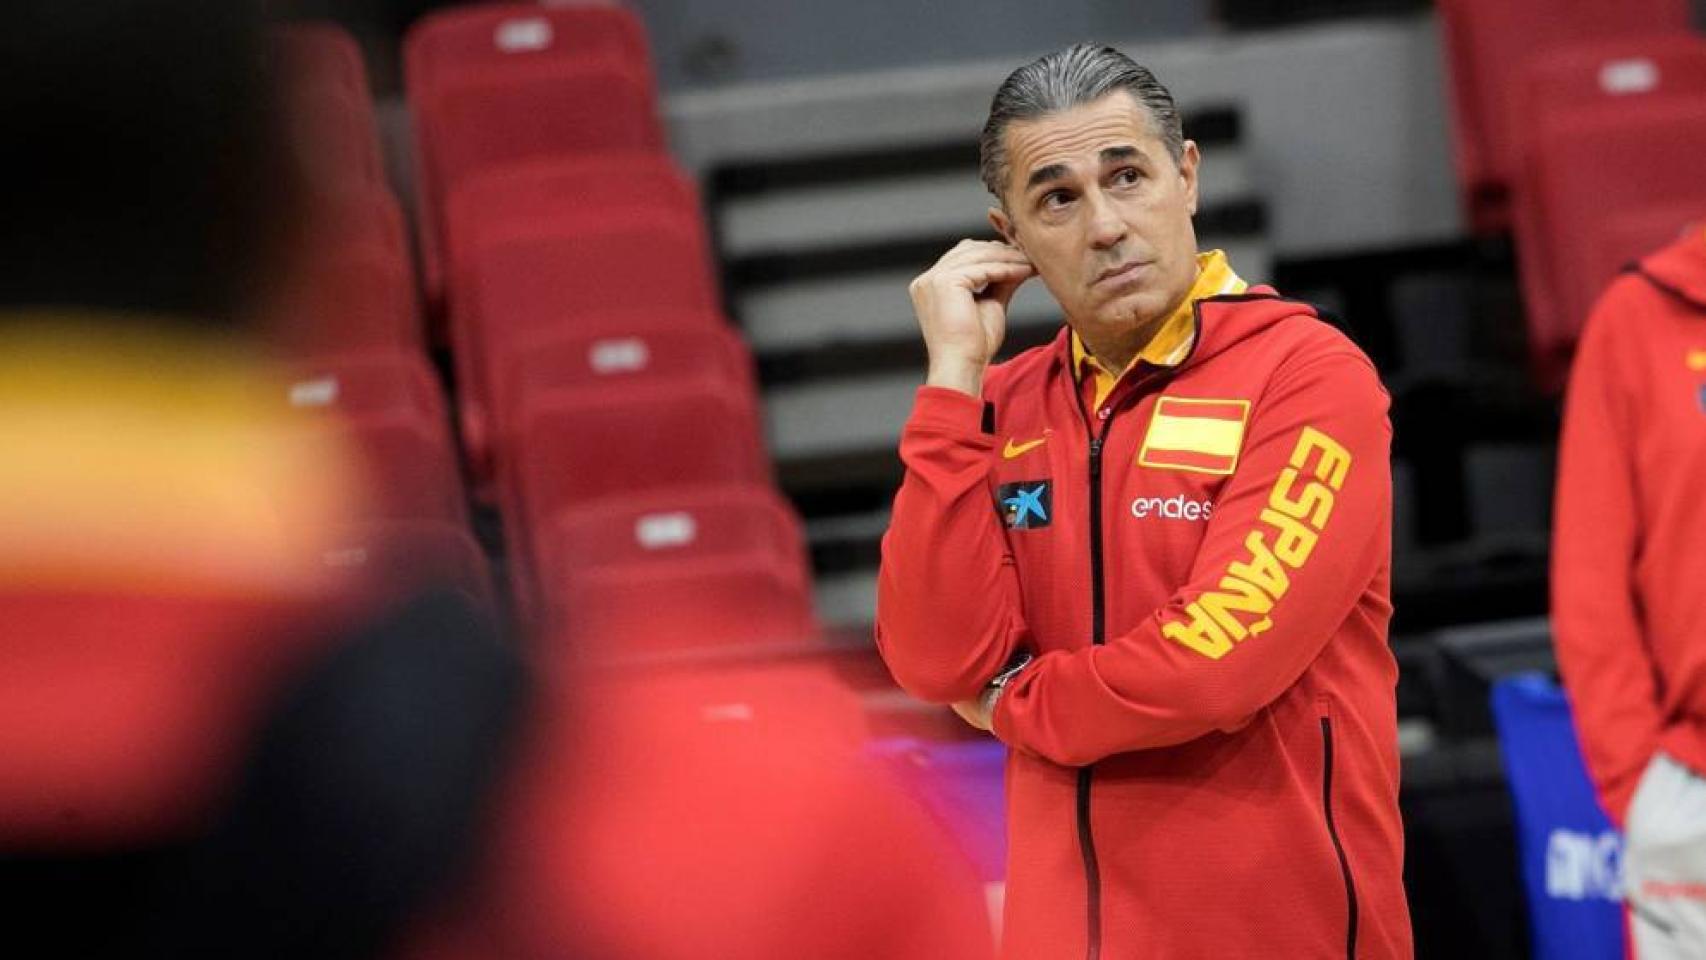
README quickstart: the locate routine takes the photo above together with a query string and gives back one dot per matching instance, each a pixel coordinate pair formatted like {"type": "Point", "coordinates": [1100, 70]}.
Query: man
{"type": "Point", "coordinates": [1156, 554]}
{"type": "Point", "coordinates": [1627, 603]}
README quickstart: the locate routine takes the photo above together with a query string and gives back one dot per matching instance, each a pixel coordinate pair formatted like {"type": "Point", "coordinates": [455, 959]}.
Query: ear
{"type": "Point", "coordinates": [1189, 159]}
{"type": "Point", "coordinates": [1003, 225]}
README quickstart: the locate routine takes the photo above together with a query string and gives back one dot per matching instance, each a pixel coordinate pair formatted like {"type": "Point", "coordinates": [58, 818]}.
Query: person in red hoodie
{"type": "Point", "coordinates": [1152, 557]}
{"type": "Point", "coordinates": [1628, 611]}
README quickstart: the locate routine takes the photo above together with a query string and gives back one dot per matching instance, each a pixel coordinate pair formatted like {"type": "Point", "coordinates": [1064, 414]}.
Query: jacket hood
{"type": "Point", "coordinates": [1680, 269]}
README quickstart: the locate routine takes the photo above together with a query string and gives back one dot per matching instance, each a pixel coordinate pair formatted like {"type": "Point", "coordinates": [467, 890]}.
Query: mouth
{"type": "Point", "coordinates": [1121, 274]}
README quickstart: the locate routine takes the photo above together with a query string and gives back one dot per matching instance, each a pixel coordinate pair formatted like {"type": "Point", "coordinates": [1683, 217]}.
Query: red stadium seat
{"type": "Point", "coordinates": [357, 384]}
{"type": "Point", "coordinates": [540, 275]}
{"type": "Point", "coordinates": [471, 38]}
{"type": "Point", "coordinates": [312, 53]}
{"type": "Point", "coordinates": [1618, 71]}
{"type": "Point", "coordinates": [1487, 47]}
{"type": "Point", "coordinates": [710, 567]}
{"type": "Point", "coordinates": [575, 446]}
{"type": "Point", "coordinates": [481, 121]}
{"type": "Point", "coordinates": [611, 350]}
{"type": "Point", "coordinates": [1612, 76]}
{"type": "Point", "coordinates": [355, 217]}
{"type": "Point", "coordinates": [333, 134]}
{"type": "Point", "coordinates": [393, 413]}
{"type": "Point", "coordinates": [1600, 175]}
{"type": "Point", "coordinates": [527, 281]}
{"type": "Point", "coordinates": [559, 190]}
{"type": "Point", "coordinates": [392, 558]}
{"type": "Point", "coordinates": [347, 300]}
{"type": "Point", "coordinates": [411, 468]}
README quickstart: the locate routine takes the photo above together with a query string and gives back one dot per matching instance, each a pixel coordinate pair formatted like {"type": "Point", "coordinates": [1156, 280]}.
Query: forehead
{"type": "Point", "coordinates": [1079, 135]}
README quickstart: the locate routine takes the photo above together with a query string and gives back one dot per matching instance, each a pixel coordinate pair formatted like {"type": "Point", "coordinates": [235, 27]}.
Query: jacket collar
{"type": "Point", "coordinates": [1176, 337]}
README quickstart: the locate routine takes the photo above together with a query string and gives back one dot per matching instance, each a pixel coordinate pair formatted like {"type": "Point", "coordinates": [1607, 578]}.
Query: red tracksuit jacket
{"type": "Point", "coordinates": [1205, 757]}
{"type": "Point", "coordinates": [1628, 571]}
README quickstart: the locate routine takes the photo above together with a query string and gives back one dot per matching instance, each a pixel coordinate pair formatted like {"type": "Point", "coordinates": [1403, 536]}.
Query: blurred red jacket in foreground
{"type": "Point", "coordinates": [719, 812]}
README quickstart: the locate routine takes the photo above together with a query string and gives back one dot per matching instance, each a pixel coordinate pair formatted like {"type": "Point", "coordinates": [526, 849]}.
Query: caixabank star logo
{"type": "Point", "coordinates": [1026, 505]}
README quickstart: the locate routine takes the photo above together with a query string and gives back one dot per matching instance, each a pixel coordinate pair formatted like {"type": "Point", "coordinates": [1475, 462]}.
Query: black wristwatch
{"type": "Point", "coordinates": [1019, 662]}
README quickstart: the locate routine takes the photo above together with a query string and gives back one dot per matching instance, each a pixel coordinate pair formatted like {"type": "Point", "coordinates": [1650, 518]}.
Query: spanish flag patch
{"type": "Point", "coordinates": [1194, 434]}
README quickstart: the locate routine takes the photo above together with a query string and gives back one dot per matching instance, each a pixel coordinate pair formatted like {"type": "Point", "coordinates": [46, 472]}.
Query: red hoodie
{"type": "Point", "coordinates": [1628, 606]}
{"type": "Point", "coordinates": [1205, 756]}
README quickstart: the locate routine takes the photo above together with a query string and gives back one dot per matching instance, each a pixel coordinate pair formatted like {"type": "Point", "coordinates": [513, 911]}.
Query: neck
{"type": "Point", "coordinates": [1114, 345]}
{"type": "Point", "coordinates": [1114, 348]}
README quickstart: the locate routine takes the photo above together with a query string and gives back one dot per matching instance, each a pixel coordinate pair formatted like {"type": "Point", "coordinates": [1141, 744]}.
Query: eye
{"type": "Point", "coordinates": [1127, 176]}
{"type": "Point", "coordinates": [1056, 199]}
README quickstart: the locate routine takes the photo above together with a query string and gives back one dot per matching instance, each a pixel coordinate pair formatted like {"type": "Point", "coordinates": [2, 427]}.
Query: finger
{"type": "Point", "coordinates": [978, 278]}
{"type": "Point", "coordinates": [1003, 292]}
{"type": "Point", "coordinates": [977, 251]}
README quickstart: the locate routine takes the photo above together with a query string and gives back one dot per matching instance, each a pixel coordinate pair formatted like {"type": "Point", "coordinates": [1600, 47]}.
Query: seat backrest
{"type": "Point", "coordinates": [320, 52]}
{"type": "Point", "coordinates": [1487, 46]}
{"type": "Point", "coordinates": [538, 280]}
{"type": "Point", "coordinates": [579, 445]}
{"type": "Point", "coordinates": [706, 567]}
{"type": "Point", "coordinates": [485, 120]}
{"type": "Point", "coordinates": [477, 37]}
{"type": "Point", "coordinates": [542, 276]}
{"type": "Point", "coordinates": [358, 384]}
{"type": "Point", "coordinates": [1610, 75]}
{"type": "Point", "coordinates": [346, 300]}
{"type": "Point", "coordinates": [1592, 165]}
{"type": "Point", "coordinates": [353, 216]}
{"type": "Point", "coordinates": [1571, 855]}
{"type": "Point", "coordinates": [334, 136]}
{"type": "Point", "coordinates": [669, 525]}
{"type": "Point", "coordinates": [558, 198]}
{"type": "Point", "coordinates": [615, 350]}
{"type": "Point", "coordinates": [559, 189]}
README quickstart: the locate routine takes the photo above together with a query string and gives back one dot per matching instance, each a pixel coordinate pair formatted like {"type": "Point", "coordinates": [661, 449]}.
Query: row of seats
{"type": "Point", "coordinates": [1575, 126]}
{"type": "Point", "coordinates": [607, 406]}
{"type": "Point", "coordinates": [349, 326]}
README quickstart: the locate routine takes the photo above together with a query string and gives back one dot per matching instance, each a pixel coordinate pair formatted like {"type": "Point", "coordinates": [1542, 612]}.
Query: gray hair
{"type": "Point", "coordinates": [1065, 79]}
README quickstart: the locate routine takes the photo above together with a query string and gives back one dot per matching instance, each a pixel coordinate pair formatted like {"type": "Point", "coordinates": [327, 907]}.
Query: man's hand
{"type": "Point", "coordinates": [979, 712]}
{"type": "Point", "coordinates": [961, 304]}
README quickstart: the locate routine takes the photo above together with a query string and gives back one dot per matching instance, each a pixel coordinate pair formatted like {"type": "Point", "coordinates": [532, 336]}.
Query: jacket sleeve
{"type": "Point", "coordinates": [1595, 620]}
{"type": "Point", "coordinates": [947, 620]}
{"type": "Point", "coordinates": [1299, 532]}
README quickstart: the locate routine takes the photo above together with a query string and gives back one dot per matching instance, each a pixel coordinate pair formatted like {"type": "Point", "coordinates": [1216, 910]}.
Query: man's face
{"type": "Point", "coordinates": [1099, 206]}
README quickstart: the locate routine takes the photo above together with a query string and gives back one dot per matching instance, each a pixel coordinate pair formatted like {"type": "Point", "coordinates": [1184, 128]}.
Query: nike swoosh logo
{"type": "Point", "coordinates": [1020, 449]}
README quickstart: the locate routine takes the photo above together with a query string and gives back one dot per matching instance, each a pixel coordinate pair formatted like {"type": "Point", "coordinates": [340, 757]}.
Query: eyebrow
{"type": "Point", "coordinates": [1056, 171]}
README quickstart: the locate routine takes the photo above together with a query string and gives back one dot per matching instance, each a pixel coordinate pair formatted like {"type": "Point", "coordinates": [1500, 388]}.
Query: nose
{"type": "Point", "coordinates": [1107, 227]}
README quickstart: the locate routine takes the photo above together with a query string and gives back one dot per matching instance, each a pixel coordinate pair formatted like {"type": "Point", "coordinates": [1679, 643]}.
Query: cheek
{"type": "Point", "coordinates": [1056, 267]}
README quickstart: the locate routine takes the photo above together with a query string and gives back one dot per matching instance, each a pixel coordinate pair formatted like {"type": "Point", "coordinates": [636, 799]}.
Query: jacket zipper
{"type": "Point", "coordinates": [1086, 842]}
{"type": "Point", "coordinates": [1333, 832]}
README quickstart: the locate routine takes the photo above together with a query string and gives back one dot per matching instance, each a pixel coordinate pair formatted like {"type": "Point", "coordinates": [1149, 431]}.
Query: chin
{"type": "Point", "coordinates": [1133, 309]}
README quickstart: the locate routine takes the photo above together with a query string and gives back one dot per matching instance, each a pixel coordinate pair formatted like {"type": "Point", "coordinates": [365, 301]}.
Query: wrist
{"type": "Point", "coordinates": [992, 692]}
{"type": "Point", "coordinates": [957, 373]}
